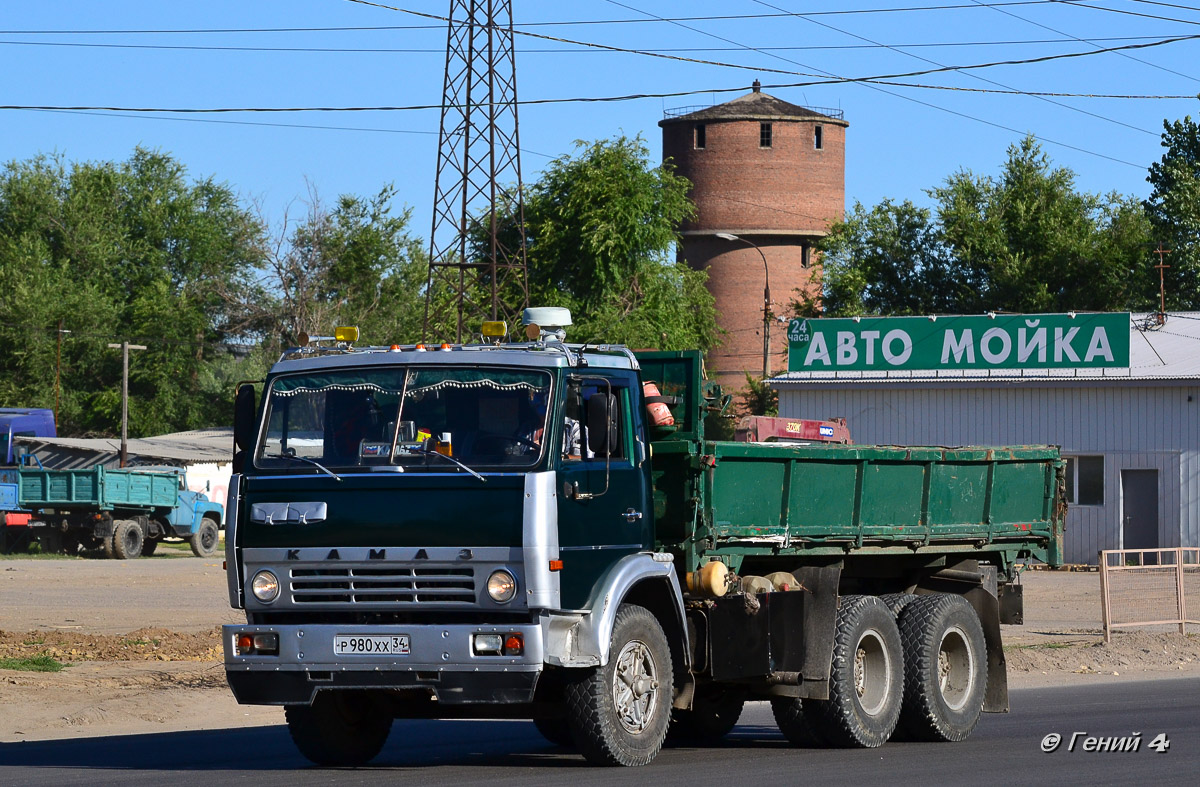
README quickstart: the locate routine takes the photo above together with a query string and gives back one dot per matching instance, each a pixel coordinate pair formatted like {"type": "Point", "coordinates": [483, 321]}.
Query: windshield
{"type": "Point", "coordinates": [365, 418]}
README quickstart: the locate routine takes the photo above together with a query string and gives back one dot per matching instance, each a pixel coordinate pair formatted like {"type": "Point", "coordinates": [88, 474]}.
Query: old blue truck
{"type": "Point", "coordinates": [127, 513]}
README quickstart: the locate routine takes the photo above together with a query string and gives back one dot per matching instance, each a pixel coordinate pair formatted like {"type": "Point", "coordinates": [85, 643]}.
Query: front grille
{"type": "Point", "coordinates": [390, 585]}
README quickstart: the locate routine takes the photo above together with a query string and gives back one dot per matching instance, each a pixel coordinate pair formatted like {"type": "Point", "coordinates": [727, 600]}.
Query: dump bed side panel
{"type": "Point", "coordinates": [96, 487]}
{"type": "Point", "coordinates": [793, 497]}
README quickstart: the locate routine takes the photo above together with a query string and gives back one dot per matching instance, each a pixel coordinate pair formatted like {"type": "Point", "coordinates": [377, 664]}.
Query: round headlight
{"type": "Point", "coordinates": [265, 586]}
{"type": "Point", "coordinates": [502, 586]}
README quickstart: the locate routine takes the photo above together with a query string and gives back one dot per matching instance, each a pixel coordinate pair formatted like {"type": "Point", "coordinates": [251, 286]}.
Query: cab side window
{"type": "Point", "coordinates": [583, 404]}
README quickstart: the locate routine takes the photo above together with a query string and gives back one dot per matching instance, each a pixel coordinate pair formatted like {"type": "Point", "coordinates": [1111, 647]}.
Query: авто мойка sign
{"type": "Point", "coordinates": [1008, 341]}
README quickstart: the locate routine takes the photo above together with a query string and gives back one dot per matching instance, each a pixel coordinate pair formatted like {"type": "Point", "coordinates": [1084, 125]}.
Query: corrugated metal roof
{"type": "Point", "coordinates": [201, 445]}
{"type": "Point", "coordinates": [1170, 351]}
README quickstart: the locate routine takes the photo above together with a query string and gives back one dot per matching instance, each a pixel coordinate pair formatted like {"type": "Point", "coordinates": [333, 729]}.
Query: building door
{"type": "Point", "coordinates": [1139, 509]}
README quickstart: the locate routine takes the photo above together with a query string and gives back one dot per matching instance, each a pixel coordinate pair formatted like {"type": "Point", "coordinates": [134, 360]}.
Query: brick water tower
{"type": "Point", "coordinates": [768, 178]}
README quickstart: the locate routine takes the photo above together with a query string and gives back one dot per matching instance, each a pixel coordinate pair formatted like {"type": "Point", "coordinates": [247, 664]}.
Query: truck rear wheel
{"type": "Point", "coordinates": [715, 712]}
{"type": "Point", "coordinates": [945, 667]}
{"type": "Point", "coordinates": [619, 713]}
{"type": "Point", "coordinates": [127, 539]}
{"type": "Point", "coordinates": [866, 680]}
{"type": "Point", "coordinates": [340, 728]}
{"type": "Point", "coordinates": [149, 545]}
{"type": "Point", "coordinates": [204, 540]}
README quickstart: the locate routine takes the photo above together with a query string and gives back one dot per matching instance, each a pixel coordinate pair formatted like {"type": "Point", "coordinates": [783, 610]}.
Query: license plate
{"type": "Point", "coordinates": [354, 645]}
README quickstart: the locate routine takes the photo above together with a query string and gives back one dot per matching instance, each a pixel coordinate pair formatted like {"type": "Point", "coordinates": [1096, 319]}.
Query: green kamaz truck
{"type": "Point", "coordinates": [542, 530]}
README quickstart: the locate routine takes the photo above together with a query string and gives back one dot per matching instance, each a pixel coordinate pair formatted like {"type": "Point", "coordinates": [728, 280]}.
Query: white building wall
{"type": "Point", "coordinates": [1133, 426]}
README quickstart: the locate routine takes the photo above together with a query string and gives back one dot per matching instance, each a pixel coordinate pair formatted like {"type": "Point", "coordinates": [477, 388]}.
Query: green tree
{"type": "Point", "coordinates": [354, 264]}
{"type": "Point", "coordinates": [1174, 210]}
{"type": "Point", "coordinates": [758, 398]}
{"type": "Point", "coordinates": [602, 226]}
{"type": "Point", "coordinates": [1024, 241]}
{"type": "Point", "coordinates": [119, 251]}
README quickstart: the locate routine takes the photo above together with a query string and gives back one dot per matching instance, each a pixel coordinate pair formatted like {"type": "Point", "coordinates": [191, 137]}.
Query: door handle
{"type": "Point", "coordinates": [631, 516]}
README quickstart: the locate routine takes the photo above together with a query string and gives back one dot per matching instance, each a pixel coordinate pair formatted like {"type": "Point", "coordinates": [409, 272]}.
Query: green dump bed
{"type": "Point", "coordinates": [824, 499]}
{"type": "Point", "coordinates": [97, 488]}
{"type": "Point", "coordinates": [850, 497]}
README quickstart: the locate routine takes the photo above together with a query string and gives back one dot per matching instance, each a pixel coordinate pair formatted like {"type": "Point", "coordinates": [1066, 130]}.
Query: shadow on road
{"type": "Point", "coordinates": [412, 744]}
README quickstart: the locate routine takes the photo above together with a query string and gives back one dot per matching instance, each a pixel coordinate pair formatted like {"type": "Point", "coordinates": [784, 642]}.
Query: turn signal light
{"type": "Point", "coordinates": [556, 565]}
{"type": "Point", "coordinates": [258, 644]}
{"type": "Point", "coordinates": [514, 645]}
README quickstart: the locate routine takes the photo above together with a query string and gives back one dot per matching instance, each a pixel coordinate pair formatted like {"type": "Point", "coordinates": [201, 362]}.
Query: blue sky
{"type": "Point", "coordinates": [901, 140]}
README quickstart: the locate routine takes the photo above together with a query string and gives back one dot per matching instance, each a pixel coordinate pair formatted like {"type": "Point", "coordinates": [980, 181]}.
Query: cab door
{"type": "Point", "coordinates": [603, 497]}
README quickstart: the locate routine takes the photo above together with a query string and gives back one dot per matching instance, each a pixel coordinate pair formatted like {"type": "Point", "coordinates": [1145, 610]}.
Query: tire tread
{"type": "Point", "coordinates": [919, 716]}
{"type": "Point", "coordinates": [587, 697]}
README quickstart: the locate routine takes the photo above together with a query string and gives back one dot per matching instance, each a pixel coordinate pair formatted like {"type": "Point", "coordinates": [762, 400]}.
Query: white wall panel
{"type": "Point", "coordinates": [1150, 427]}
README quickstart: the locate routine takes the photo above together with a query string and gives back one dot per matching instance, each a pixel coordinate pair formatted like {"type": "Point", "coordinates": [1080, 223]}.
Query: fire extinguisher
{"type": "Point", "coordinates": [660, 414]}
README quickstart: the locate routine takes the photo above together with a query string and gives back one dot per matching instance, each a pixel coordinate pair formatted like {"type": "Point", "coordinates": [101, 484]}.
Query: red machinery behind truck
{"type": "Point", "coordinates": [768, 429]}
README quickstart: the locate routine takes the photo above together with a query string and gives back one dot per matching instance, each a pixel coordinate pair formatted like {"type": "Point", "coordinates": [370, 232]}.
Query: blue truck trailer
{"type": "Point", "coordinates": [127, 513]}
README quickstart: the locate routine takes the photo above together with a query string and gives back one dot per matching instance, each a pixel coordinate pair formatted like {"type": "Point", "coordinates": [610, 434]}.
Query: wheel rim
{"type": "Point", "coordinates": [131, 541]}
{"type": "Point", "coordinates": [956, 668]}
{"type": "Point", "coordinates": [209, 538]}
{"type": "Point", "coordinates": [635, 687]}
{"type": "Point", "coordinates": [872, 672]}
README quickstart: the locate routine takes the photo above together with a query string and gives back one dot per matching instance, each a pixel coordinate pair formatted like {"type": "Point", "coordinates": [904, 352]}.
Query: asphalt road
{"type": "Point", "coordinates": [1005, 749]}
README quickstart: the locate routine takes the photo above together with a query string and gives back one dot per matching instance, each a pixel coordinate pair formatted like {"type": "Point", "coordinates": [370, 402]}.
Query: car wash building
{"type": "Point", "coordinates": [1119, 393]}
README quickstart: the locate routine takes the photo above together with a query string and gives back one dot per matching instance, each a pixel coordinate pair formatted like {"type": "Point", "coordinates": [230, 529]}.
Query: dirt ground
{"type": "Point", "coordinates": [141, 639]}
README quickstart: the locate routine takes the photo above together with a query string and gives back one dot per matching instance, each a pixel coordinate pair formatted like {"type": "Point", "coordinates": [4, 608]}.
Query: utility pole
{"type": "Point", "coordinates": [1162, 283]}
{"type": "Point", "coordinates": [58, 373]}
{"type": "Point", "coordinates": [125, 347]}
{"type": "Point", "coordinates": [766, 367]}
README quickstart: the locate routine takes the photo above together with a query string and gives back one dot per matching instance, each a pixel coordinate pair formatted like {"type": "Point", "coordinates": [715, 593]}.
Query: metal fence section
{"type": "Point", "coordinates": [1148, 587]}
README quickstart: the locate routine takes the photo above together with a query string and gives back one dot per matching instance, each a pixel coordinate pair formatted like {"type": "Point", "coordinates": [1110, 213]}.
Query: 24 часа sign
{"type": "Point", "coordinates": [1010, 342]}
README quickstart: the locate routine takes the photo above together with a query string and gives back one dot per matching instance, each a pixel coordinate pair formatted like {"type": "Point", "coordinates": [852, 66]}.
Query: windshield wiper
{"type": "Point", "coordinates": [431, 452]}
{"type": "Point", "coordinates": [312, 462]}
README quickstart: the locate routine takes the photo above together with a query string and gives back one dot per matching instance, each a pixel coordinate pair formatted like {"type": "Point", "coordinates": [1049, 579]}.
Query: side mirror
{"type": "Point", "coordinates": [602, 423]}
{"type": "Point", "coordinates": [243, 417]}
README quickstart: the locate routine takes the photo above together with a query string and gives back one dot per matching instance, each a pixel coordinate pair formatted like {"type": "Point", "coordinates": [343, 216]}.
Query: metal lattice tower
{"type": "Point", "coordinates": [474, 273]}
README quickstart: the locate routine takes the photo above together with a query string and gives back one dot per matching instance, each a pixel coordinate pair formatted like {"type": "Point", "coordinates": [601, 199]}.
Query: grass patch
{"type": "Point", "coordinates": [30, 643]}
{"type": "Point", "coordinates": [153, 642]}
{"type": "Point", "coordinates": [35, 554]}
{"type": "Point", "coordinates": [40, 663]}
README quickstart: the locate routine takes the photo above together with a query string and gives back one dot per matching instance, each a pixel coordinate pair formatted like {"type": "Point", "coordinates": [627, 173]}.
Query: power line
{"type": "Point", "coordinates": [561, 50]}
{"type": "Point", "coordinates": [1083, 40]}
{"type": "Point", "coordinates": [923, 59]}
{"type": "Point", "coordinates": [947, 110]}
{"type": "Point", "coordinates": [869, 81]}
{"type": "Point", "coordinates": [1129, 13]}
{"type": "Point", "coordinates": [543, 37]}
{"type": "Point", "coordinates": [264, 125]}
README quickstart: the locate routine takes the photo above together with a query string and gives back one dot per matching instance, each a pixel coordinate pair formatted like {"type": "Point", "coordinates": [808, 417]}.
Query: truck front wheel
{"type": "Point", "coordinates": [866, 680]}
{"type": "Point", "coordinates": [127, 539]}
{"type": "Point", "coordinates": [340, 728]}
{"type": "Point", "coordinates": [204, 540]}
{"type": "Point", "coordinates": [945, 666]}
{"type": "Point", "coordinates": [619, 713]}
